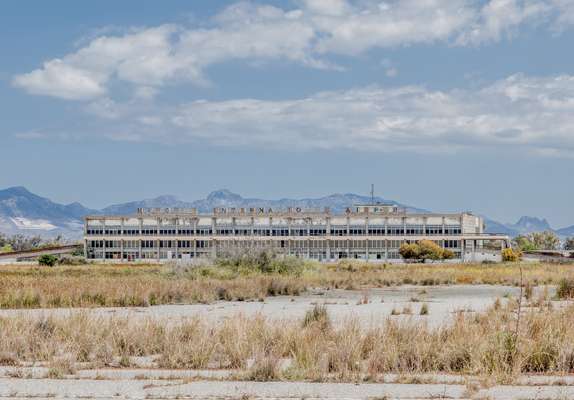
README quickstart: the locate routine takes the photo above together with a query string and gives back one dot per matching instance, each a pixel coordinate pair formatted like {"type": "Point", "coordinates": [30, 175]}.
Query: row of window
{"type": "Point", "coordinates": [295, 244]}
{"type": "Point", "coordinates": [354, 231]}
{"type": "Point", "coordinates": [313, 254]}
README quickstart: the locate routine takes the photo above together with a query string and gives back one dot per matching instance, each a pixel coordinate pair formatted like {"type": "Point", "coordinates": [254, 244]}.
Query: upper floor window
{"type": "Point", "coordinates": [376, 230]}
{"type": "Point", "coordinates": [338, 231]}
{"type": "Point", "coordinates": [414, 230]}
{"type": "Point", "coordinates": [396, 230]}
{"type": "Point", "coordinates": [433, 229]}
{"type": "Point", "coordinates": [318, 232]}
{"type": "Point", "coordinates": [452, 230]}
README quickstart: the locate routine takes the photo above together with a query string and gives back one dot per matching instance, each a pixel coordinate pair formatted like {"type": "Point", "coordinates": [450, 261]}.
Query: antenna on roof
{"type": "Point", "coordinates": [372, 193]}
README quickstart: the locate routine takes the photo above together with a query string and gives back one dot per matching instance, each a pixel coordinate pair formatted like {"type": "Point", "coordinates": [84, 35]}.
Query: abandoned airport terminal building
{"type": "Point", "coordinates": [372, 232]}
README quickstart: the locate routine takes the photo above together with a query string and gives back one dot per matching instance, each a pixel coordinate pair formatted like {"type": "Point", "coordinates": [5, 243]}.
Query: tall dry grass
{"type": "Point", "coordinates": [483, 344]}
{"type": "Point", "coordinates": [143, 285]}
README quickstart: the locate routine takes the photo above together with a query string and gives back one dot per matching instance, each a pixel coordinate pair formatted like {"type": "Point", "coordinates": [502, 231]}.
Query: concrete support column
{"type": "Point", "coordinates": [289, 221]}
{"type": "Point", "coordinates": [347, 241]}
{"type": "Point", "coordinates": [348, 247]}
{"type": "Point", "coordinates": [386, 249]}
{"type": "Point", "coordinates": [104, 241]}
{"type": "Point", "coordinates": [157, 249]}
{"type": "Point", "coordinates": [121, 241]}
{"type": "Point", "coordinates": [404, 226]}
{"type": "Point", "coordinates": [367, 239]}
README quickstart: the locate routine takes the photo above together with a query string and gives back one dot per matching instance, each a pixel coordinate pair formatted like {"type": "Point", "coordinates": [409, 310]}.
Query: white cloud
{"type": "Point", "coordinates": [59, 79]}
{"type": "Point", "coordinates": [565, 14]}
{"type": "Point", "coordinates": [30, 135]}
{"type": "Point", "coordinates": [104, 108]}
{"type": "Point", "coordinates": [307, 35]}
{"type": "Point", "coordinates": [327, 7]}
{"type": "Point", "coordinates": [393, 23]}
{"type": "Point", "coordinates": [500, 18]}
{"type": "Point", "coordinates": [519, 113]}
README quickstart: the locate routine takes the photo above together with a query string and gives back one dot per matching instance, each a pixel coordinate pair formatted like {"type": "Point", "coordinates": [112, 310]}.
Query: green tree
{"type": "Point", "coordinates": [429, 250]}
{"type": "Point", "coordinates": [48, 260]}
{"type": "Point", "coordinates": [409, 251]}
{"type": "Point", "coordinates": [6, 248]}
{"type": "Point", "coordinates": [447, 254]}
{"type": "Point", "coordinates": [546, 240]}
{"type": "Point", "coordinates": [569, 244]}
{"type": "Point", "coordinates": [524, 243]}
{"type": "Point", "coordinates": [424, 250]}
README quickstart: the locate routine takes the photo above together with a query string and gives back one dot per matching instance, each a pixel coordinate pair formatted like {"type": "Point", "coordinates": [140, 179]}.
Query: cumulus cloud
{"type": "Point", "coordinates": [565, 14]}
{"type": "Point", "coordinates": [499, 18]}
{"type": "Point", "coordinates": [60, 79]}
{"type": "Point", "coordinates": [520, 113]}
{"type": "Point", "coordinates": [308, 34]}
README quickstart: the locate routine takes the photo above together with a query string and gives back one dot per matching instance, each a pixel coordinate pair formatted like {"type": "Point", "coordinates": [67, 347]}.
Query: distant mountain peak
{"type": "Point", "coordinates": [527, 224]}
{"type": "Point", "coordinates": [23, 211]}
{"type": "Point", "coordinates": [166, 198]}
{"type": "Point", "coordinates": [16, 191]}
{"type": "Point", "coordinates": [223, 194]}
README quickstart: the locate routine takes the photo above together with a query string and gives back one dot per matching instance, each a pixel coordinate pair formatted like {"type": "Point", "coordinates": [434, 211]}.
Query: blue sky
{"type": "Point", "coordinates": [443, 104]}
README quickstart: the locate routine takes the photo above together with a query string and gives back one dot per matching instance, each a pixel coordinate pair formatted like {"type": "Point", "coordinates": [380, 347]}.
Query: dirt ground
{"type": "Point", "coordinates": [142, 387]}
{"type": "Point", "coordinates": [369, 307]}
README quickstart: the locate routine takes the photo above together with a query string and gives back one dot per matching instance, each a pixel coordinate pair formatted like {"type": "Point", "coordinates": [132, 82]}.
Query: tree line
{"type": "Point", "coordinates": [21, 242]}
{"type": "Point", "coordinates": [546, 240]}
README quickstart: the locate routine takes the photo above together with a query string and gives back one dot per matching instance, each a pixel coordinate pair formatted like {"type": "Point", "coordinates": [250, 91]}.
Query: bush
{"type": "Point", "coordinates": [565, 289]}
{"type": "Point", "coordinates": [319, 316]}
{"type": "Point", "coordinates": [72, 260]}
{"type": "Point", "coordinates": [410, 251]}
{"type": "Point", "coordinates": [424, 309]}
{"type": "Point", "coordinates": [47, 260]}
{"type": "Point", "coordinates": [424, 250]}
{"type": "Point", "coordinates": [264, 261]}
{"type": "Point", "coordinates": [511, 255]}
{"type": "Point", "coordinates": [7, 248]}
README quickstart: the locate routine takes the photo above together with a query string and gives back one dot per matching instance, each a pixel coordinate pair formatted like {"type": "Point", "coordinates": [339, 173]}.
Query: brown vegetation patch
{"type": "Point", "coordinates": [145, 285]}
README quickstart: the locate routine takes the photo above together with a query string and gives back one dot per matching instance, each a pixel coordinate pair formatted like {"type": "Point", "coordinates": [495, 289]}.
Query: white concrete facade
{"type": "Point", "coordinates": [365, 232]}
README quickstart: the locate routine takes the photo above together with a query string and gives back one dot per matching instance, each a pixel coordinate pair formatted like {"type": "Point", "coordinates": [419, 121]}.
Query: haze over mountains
{"type": "Point", "coordinates": [24, 212]}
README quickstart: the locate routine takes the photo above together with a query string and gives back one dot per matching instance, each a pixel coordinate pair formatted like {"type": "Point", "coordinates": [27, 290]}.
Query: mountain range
{"type": "Point", "coordinates": [24, 212]}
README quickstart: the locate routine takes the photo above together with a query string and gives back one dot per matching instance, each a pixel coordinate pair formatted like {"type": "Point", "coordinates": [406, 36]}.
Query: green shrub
{"type": "Point", "coordinates": [72, 260]}
{"type": "Point", "coordinates": [262, 261]}
{"type": "Point", "coordinates": [424, 250]}
{"type": "Point", "coordinates": [47, 260]}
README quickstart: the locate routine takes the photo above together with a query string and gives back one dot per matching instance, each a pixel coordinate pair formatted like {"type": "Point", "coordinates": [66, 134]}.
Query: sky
{"type": "Point", "coordinates": [447, 105]}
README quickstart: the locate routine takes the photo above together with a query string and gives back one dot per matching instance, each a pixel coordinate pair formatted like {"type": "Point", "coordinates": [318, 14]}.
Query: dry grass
{"type": "Point", "coordinates": [484, 345]}
{"type": "Point", "coordinates": [144, 285]}
{"type": "Point", "coordinates": [128, 286]}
